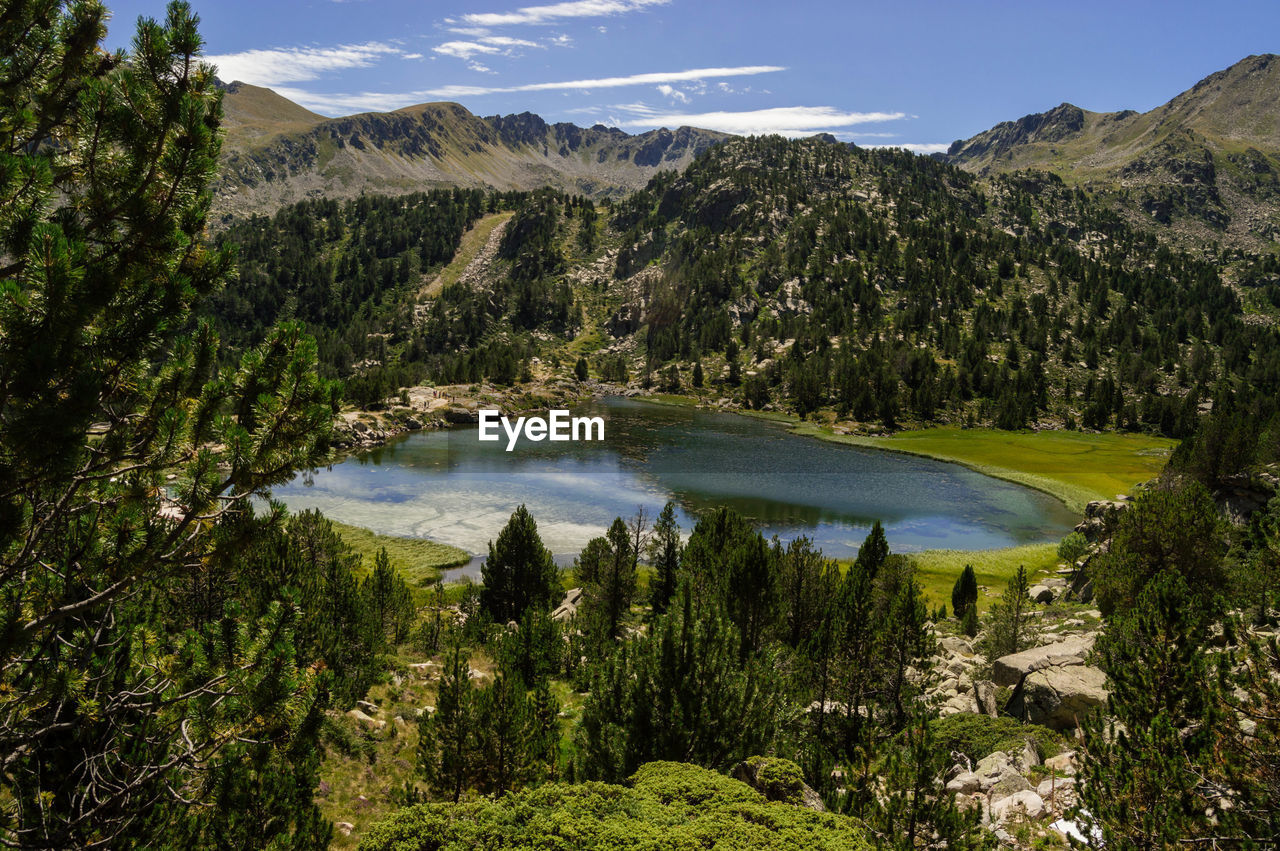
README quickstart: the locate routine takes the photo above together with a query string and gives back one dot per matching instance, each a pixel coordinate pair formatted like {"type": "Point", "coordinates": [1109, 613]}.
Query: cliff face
{"type": "Point", "coordinates": [1205, 165]}
{"type": "Point", "coordinates": [276, 153]}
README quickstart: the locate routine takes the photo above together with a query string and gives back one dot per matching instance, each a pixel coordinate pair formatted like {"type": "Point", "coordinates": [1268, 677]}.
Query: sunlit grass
{"type": "Point", "coordinates": [937, 570]}
{"type": "Point", "coordinates": [418, 560]}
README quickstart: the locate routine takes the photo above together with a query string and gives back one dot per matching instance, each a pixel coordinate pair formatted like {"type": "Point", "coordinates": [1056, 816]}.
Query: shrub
{"type": "Point", "coordinates": [976, 736]}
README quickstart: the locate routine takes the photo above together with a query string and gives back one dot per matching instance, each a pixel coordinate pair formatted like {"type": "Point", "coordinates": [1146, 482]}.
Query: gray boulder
{"type": "Point", "coordinates": [1058, 697]}
{"type": "Point", "coordinates": [1010, 670]}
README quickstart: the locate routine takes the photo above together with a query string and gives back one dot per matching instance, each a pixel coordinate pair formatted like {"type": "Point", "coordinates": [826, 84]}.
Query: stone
{"type": "Point", "coordinates": [1054, 787]}
{"type": "Point", "coordinates": [1007, 784]}
{"type": "Point", "coordinates": [365, 721]}
{"type": "Point", "coordinates": [1010, 670]}
{"type": "Point", "coordinates": [344, 827]}
{"type": "Point", "coordinates": [1064, 763]}
{"type": "Point", "coordinates": [1030, 756]}
{"type": "Point", "coordinates": [1057, 697]}
{"type": "Point", "coordinates": [369, 708]}
{"type": "Point", "coordinates": [778, 780]}
{"type": "Point", "coordinates": [984, 693]}
{"type": "Point", "coordinates": [965, 783]}
{"type": "Point", "coordinates": [1040, 593]}
{"type": "Point", "coordinates": [992, 765]}
{"type": "Point", "coordinates": [956, 646]}
{"type": "Point", "coordinates": [1025, 802]}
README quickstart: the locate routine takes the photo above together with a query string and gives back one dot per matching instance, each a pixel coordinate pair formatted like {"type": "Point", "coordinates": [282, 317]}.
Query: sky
{"type": "Point", "coordinates": [908, 74]}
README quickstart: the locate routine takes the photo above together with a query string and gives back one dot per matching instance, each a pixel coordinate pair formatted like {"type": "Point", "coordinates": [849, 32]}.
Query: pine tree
{"type": "Point", "coordinates": [964, 594]}
{"type": "Point", "coordinates": [665, 552]}
{"type": "Point", "coordinates": [389, 600]}
{"type": "Point", "coordinates": [1145, 780]}
{"type": "Point", "coordinates": [1007, 624]}
{"type": "Point", "coordinates": [125, 678]}
{"type": "Point", "coordinates": [505, 736]}
{"type": "Point", "coordinates": [606, 570]}
{"type": "Point", "coordinates": [447, 737]}
{"type": "Point", "coordinates": [519, 571]}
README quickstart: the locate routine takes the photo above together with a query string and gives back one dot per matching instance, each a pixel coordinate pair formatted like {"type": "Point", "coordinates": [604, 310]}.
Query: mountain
{"type": "Point", "coordinates": [1206, 164]}
{"type": "Point", "coordinates": [875, 287]}
{"type": "Point", "coordinates": [277, 152]}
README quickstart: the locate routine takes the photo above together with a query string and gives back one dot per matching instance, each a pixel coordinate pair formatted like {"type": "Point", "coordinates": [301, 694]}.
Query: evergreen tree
{"type": "Point", "coordinates": [665, 552]}
{"type": "Point", "coordinates": [447, 737]}
{"type": "Point", "coordinates": [131, 687]}
{"type": "Point", "coordinates": [964, 594]}
{"type": "Point", "coordinates": [505, 736]}
{"type": "Point", "coordinates": [1174, 529]}
{"type": "Point", "coordinates": [679, 693]}
{"type": "Point", "coordinates": [389, 600]}
{"type": "Point", "coordinates": [519, 572]}
{"type": "Point", "coordinates": [1145, 781]}
{"type": "Point", "coordinates": [606, 571]}
{"type": "Point", "coordinates": [1007, 625]}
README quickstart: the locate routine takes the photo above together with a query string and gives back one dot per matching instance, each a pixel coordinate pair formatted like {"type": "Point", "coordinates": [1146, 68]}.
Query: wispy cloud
{"type": "Point", "coordinates": [297, 64]}
{"type": "Point", "coordinates": [557, 12]}
{"type": "Point", "coordinates": [790, 121]}
{"type": "Point", "coordinates": [919, 147]}
{"type": "Point", "coordinates": [672, 92]}
{"type": "Point", "coordinates": [360, 101]}
{"type": "Point", "coordinates": [464, 49]}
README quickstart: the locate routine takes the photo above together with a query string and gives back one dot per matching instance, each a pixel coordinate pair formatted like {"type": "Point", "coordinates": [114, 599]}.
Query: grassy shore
{"type": "Point", "coordinates": [937, 570]}
{"type": "Point", "coordinates": [1073, 466]}
{"type": "Point", "coordinates": [418, 560]}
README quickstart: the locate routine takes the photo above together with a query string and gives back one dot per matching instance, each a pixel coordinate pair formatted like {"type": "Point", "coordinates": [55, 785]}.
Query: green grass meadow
{"type": "Point", "coordinates": [418, 560]}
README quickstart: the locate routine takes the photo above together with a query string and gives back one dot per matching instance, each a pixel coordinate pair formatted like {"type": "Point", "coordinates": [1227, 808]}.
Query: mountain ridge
{"type": "Point", "coordinates": [277, 152]}
{"type": "Point", "coordinates": [1206, 163]}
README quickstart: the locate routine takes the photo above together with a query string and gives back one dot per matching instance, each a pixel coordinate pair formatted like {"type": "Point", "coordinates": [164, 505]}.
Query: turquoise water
{"type": "Point", "coordinates": [450, 487]}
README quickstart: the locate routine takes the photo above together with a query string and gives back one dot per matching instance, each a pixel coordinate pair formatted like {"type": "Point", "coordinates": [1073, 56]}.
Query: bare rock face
{"type": "Point", "coordinates": [1025, 801]}
{"type": "Point", "coordinates": [1010, 670]}
{"type": "Point", "coordinates": [1058, 697]}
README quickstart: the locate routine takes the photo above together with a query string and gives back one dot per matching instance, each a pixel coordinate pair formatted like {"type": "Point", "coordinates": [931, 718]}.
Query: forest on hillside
{"type": "Point", "coordinates": [185, 664]}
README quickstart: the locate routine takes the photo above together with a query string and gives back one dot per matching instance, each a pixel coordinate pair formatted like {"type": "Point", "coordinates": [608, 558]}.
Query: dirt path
{"type": "Point", "coordinates": [479, 246]}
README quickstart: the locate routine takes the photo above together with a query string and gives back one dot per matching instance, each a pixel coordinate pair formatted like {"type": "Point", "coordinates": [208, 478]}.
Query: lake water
{"type": "Point", "coordinates": [450, 487]}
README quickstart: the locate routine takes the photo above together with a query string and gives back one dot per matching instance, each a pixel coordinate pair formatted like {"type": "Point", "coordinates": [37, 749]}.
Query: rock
{"type": "Point", "coordinates": [365, 721]}
{"type": "Point", "coordinates": [1026, 802]}
{"type": "Point", "coordinates": [369, 708]}
{"type": "Point", "coordinates": [965, 783]}
{"type": "Point", "coordinates": [1057, 697]}
{"type": "Point", "coordinates": [778, 780]}
{"type": "Point", "coordinates": [956, 646]}
{"type": "Point", "coordinates": [1040, 593]}
{"type": "Point", "coordinates": [1008, 784]}
{"type": "Point", "coordinates": [984, 693]}
{"type": "Point", "coordinates": [1010, 670]}
{"type": "Point", "coordinates": [344, 827]}
{"type": "Point", "coordinates": [992, 765]}
{"type": "Point", "coordinates": [460, 416]}
{"type": "Point", "coordinates": [1030, 756]}
{"type": "Point", "coordinates": [1063, 763]}
{"type": "Point", "coordinates": [1055, 787]}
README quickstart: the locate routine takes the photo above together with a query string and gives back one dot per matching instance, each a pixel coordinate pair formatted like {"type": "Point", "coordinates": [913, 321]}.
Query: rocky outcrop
{"type": "Point", "coordinates": [1010, 670]}
{"type": "Point", "coordinates": [1059, 697]}
{"type": "Point", "coordinates": [778, 780]}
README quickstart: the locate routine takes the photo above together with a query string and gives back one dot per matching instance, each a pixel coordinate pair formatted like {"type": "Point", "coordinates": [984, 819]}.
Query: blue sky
{"type": "Point", "coordinates": [912, 74]}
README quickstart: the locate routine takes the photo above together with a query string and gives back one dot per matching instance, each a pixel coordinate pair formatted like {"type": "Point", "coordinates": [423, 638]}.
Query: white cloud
{"type": "Point", "coordinates": [411, 56]}
{"type": "Point", "coordinates": [481, 68]}
{"type": "Point", "coordinates": [474, 32]}
{"type": "Point", "coordinates": [919, 147]}
{"type": "Point", "coordinates": [296, 64]}
{"type": "Point", "coordinates": [790, 121]}
{"type": "Point", "coordinates": [464, 49]}
{"type": "Point", "coordinates": [559, 12]}
{"type": "Point", "coordinates": [649, 79]}
{"type": "Point", "coordinates": [560, 40]}
{"type": "Point", "coordinates": [673, 93]}
{"type": "Point", "coordinates": [345, 103]}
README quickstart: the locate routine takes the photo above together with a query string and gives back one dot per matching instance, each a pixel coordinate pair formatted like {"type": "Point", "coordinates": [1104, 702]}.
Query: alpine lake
{"type": "Point", "coordinates": [449, 486]}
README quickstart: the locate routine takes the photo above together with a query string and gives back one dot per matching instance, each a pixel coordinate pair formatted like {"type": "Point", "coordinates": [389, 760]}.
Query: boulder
{"type": "Point", "coordinates": [1024, 802]}
{"type": "Point", "coordinates": [956, 646]}
{"type": "Point", "coordinates": [1055, 788]}
{"type": "Point", "coordinates": [1062, 764]}
{"type": "Point", "coordinates": [1040, 593]}
{"type": "Point", "coordinates": [984, 693]}
{"type": "Point", "coordinates": [992, 765]}
{"type": "Point", "coordinates": [1007, 784]}
{"type": "Point", "coordinates": [1010, 670]}
{"type": "Point", "coordinates": [965, 783]}
{"type": "Point", "coordinates": [365, 721]}
{"type": "Point", "coordinates": [778, 780]}
{"type": "Point", "coordinates": [1057, 697]}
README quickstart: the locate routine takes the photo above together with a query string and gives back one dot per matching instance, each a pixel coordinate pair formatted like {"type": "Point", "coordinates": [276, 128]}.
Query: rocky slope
{"type": "Point", "coordinates": [1206, 164]}
{"type": "Point", "coordinates": [276, 153]}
